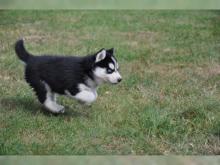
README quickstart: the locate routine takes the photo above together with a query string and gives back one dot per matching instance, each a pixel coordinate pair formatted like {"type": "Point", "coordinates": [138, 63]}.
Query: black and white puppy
{"type": "Point", "coordinates": [76, 77]}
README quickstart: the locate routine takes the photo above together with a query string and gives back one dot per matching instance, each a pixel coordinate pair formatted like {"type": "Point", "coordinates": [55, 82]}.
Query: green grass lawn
{"type": "Point", "coordinates": [167, 103]}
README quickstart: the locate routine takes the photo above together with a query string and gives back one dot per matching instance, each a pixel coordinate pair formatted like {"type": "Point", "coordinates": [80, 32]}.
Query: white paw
{"type": "Point", "coordinates": [54, 107]}
{"type": "Point", "coordinates": [60, 108]}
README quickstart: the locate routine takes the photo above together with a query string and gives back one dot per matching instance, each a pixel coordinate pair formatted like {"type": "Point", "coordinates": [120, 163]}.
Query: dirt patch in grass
{"type": "Point", "coordinates": [68, 39]}
{"type": "Point", "coordinates": [142, 68]}
{"type": "Point", "coordinates": [167, 70]}
{"type": "Point", "coordinates": [36, 38]}
{"type": "Point", "coordinates": [118, 144]}
{"type": "Point", "coordinates": [4, 77]}
{"type": "Point", "coordinates": [208, 71]}
{"type": "Point", "coordinates": [135, 39]}
{"type": "Point", "coordinates": [212, 146]}
{"type": "Point", "coordinates": [142, 35]}
{"type": "Point", "coordinates": [33, 137]}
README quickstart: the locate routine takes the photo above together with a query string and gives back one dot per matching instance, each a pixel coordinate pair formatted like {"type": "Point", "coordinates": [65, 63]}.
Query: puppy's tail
{"type": "Point", "coordinates": [21, 51]}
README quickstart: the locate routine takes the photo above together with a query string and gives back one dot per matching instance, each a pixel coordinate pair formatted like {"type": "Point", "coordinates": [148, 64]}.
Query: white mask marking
{"type": "Point", "coordinates": [111, 66]}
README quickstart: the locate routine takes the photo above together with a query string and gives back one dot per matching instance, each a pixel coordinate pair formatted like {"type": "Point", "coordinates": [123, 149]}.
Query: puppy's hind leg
{"type": "Point", "coordinates": [50, 102]}
{"type": "Point", "coordinates": [44, 94]}
{"type": "Point", "coordinates": [54, 99]}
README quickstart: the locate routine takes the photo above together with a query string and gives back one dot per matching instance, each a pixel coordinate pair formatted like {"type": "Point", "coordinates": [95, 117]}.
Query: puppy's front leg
{"type": "Point", "coordinates": [85, 96]}
{"type": "Point", "coordinates": [51, 105]}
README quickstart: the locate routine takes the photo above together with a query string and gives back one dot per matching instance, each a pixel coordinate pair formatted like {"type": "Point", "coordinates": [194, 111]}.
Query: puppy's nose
{"type": "Point", "coordinates": [119, 80]}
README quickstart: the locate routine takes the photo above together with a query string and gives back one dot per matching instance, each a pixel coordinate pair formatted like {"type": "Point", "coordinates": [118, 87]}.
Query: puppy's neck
{"type": "Point", "coordinates": [98, 81]}
{"type": "Point", "coordinates": [94, 83]}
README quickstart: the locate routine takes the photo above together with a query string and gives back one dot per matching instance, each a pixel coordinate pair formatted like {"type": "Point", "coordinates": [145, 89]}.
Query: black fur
{"type": "Point", "coordinates": [60, 73]}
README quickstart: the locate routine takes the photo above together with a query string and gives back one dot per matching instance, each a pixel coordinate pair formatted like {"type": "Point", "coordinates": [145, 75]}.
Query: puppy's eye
{"type": "Point", "coordinates": [109, 70]}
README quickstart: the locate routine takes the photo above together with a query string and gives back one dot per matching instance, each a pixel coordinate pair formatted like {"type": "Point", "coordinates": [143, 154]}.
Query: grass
{"type": "Point", "coordinates": [168, 102]}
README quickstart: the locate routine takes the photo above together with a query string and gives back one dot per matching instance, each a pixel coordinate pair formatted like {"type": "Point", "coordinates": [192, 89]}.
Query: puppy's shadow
{"type": "Point", "coordinates": [30, 105]}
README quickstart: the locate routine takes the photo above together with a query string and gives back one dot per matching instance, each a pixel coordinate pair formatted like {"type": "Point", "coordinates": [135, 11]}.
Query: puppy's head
{"type": "Point", "coordinates": [106, 67]}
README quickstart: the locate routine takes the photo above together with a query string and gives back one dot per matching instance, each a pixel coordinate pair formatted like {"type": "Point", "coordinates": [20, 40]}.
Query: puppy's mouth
{"type": "Point", "coordinates": [114, 83]}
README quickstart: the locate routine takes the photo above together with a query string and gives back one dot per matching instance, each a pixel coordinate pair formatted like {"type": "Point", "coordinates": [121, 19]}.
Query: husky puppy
{"type": "Point", "coordinates": [76, 77]}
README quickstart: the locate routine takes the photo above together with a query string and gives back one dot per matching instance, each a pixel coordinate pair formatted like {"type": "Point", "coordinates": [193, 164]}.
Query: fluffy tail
{"type": "Point", "coordinates": [21, 51]}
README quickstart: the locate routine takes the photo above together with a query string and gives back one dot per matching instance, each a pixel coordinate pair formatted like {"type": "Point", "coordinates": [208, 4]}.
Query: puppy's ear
{"type": "Point", "coordinates": [100, 55]}
{"type": "Point", "coordinates": [111, 51]}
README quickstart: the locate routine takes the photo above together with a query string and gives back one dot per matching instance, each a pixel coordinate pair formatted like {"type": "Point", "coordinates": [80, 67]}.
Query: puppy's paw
{"type": "Point", "coordinates": [61, 109]}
